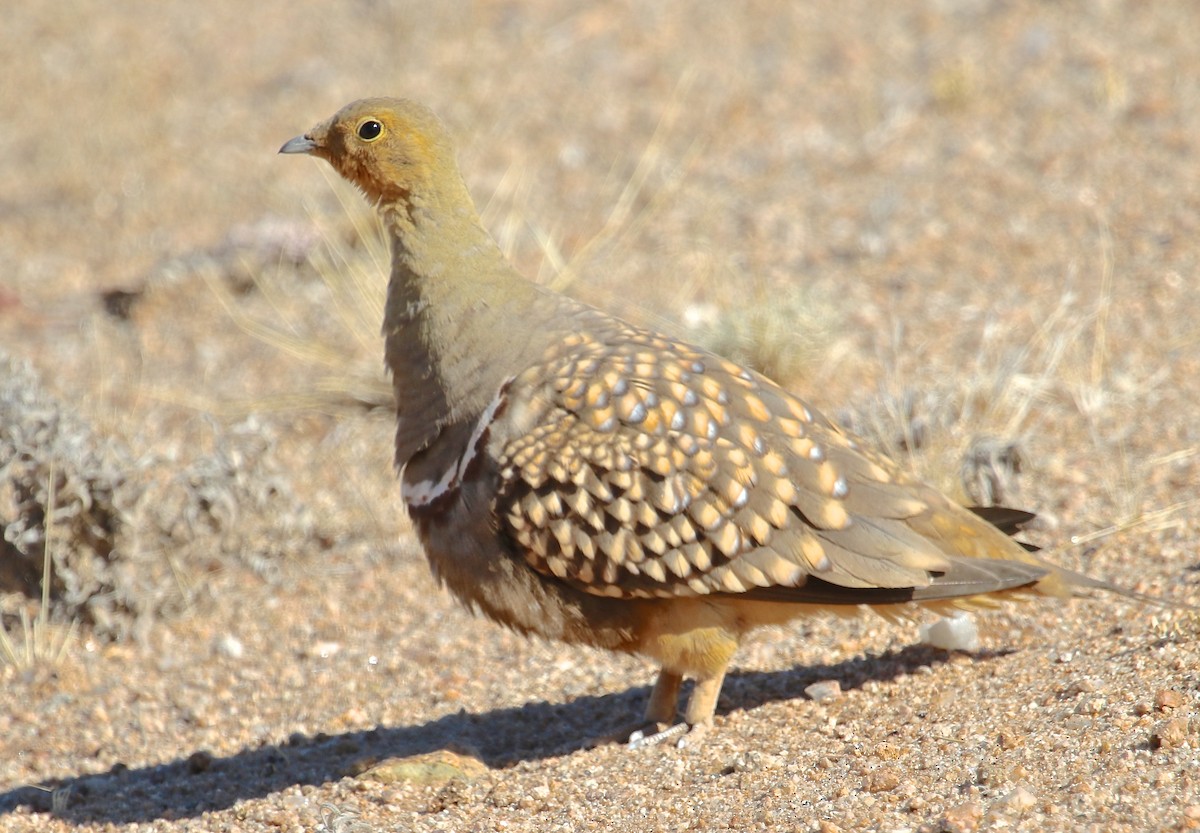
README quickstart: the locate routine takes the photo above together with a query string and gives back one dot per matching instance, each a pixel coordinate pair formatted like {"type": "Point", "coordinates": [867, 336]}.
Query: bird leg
{"type": "Point", "coordinates": [703, 702]}
{"type": "Point", "coordinates": [660, 713]}
{"type": "Point", "coordinates": [697, 717]}
{"type": "Point", "coordinates": [664, 699]}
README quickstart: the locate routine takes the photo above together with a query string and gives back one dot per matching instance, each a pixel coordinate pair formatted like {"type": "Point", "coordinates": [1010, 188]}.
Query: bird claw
{"type": "Point", "coordinates": [641, 735]}
{"type": "Point", "coordinates": [683, 734]}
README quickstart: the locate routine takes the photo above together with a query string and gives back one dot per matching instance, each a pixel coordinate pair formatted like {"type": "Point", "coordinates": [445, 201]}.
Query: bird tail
{"type": "Point", "coordinates": [1058, 581]}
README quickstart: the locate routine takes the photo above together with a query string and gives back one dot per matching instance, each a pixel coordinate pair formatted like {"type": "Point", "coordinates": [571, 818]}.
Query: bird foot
{"type": "Point", "coordinates": [683, 735]}
{"type": "Point", "coordinates": [647, 734]}
{"type": "Point", "coordinates": [630, 734]}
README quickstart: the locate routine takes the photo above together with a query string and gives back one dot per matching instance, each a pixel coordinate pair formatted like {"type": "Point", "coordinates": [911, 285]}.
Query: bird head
{"type": "Point", "coordinates": [393, 149]}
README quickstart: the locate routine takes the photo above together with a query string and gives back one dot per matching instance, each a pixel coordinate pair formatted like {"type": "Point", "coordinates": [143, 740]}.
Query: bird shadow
{"type": "Point", "coordinates": [196, 782]}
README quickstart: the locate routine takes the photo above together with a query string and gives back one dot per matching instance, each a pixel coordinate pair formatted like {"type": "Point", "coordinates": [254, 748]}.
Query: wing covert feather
{"type": "Point", "coordinates": [640, 467]}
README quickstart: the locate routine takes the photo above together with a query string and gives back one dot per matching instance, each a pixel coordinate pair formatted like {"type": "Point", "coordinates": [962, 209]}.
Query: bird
{"type": "Point", "coordinates": [576, 477]}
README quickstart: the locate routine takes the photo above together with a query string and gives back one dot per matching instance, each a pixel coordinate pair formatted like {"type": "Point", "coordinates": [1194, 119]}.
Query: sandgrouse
{"type": "Point", "coordinates": [577, 477]}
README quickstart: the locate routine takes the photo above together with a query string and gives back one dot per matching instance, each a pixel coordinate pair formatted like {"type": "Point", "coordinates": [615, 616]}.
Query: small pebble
{"type": "Point", "coordinates": [1078, 722]}
{"type": "Point", "coordinates": [1092, 705]}
{"type": "Point", "coordinates": [952, 633]}
{"type": "Point", "coordinates": [963, 818]}
{"type": "Point", "coordinates": [198, 762]}
{"type": "Point", "coordinates": [1168, 698]}
{"type": "Point", "coordinates": [230, 646]}
{"type": "Point", "coordinates": [1191, 817]}
{"type": "Point", "coordinates": [1019, 800]}
{"type": "Point", "coordinates": [824, 691]}
{"type": "Point", "coordinates": [1169, 733]}
{"type": "Point", "coordinates": [1008, 740]}
{"type": "Point", "coordinates": [881, 780]}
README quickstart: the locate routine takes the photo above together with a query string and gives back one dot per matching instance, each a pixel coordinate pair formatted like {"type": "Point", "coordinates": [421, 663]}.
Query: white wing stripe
{"type": "Point", "coordinates": [426, 492]}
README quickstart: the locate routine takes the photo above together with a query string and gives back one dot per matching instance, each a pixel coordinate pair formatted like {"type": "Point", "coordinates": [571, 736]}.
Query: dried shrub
{"type": "Point", "coordinates": [130, 534]}
{"type": "Point", "coordinates": [40, 441]}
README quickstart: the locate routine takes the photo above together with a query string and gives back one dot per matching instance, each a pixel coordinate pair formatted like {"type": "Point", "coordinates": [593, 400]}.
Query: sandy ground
{"type": "Point", "coordinates": [962, 223]}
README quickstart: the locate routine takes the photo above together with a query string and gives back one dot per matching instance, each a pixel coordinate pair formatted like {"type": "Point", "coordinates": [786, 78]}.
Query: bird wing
{"type": "Point", "coordinates": [632, 465]}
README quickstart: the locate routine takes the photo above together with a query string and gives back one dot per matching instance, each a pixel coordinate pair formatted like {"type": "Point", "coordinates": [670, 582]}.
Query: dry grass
{"type": "Point", "coordinates": [968, 432]}
{"type": "Point", "coordinates": [39, 641]}
{"type": "Point", "coordinates": [333, 334]}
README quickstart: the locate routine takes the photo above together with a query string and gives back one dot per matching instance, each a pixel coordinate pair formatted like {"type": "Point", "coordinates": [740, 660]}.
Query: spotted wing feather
{"type": "Point", "coordinates": [635, 466]}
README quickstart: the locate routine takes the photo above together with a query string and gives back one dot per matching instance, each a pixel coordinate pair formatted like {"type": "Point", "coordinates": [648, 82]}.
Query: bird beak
{"type": "Point", "coordinates": [301, 144]}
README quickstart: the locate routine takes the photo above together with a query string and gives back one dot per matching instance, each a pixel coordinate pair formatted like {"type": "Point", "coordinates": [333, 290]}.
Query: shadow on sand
{"type": "Point", "coordinates": [195, 782]}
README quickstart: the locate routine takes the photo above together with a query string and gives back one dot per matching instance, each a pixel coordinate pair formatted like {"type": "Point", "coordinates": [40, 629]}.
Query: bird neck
{"type": "Point", "coordinates": [457, 322]}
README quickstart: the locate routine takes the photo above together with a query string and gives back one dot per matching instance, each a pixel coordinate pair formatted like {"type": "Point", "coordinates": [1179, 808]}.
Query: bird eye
{"type": "Point", "coordinates": [370, 130]}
